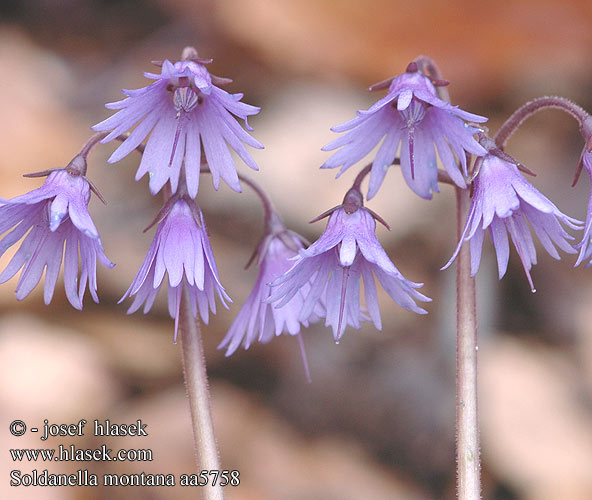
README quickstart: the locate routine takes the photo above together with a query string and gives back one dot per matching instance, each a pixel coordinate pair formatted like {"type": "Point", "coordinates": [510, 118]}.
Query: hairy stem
{"type": "Point", "coordinates": [272, 219]}
{"type": "Point", "coordinates": [532, 107]}
{"type": "Point", "coordinates": [196, 385]}
{"type": "Point", "coordinates": [268, 208]}
{"type": "Point", "coordinates": [362, 174]}
{"type": "Point", "coordinates": [442, 175]}
{"type": "Point", "coordinates": [467, 427]}
{"type": "Point", "coordinates": [468, 469]}
{"type": "Point", "coordinates": [93, 141]}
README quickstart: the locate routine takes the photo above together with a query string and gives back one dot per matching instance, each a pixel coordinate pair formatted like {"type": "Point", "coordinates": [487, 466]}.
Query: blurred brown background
{"type": "Point", "coordinates": [378, 420]}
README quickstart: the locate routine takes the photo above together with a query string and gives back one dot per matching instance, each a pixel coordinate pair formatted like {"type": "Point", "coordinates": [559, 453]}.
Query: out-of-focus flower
{"type": "Point", "coordinates": [56, 215]}
{"type": "Point", "coordinates": [584, 245]}
{"type": "Point", "coordinates": [504, 202]}
{"type": "Point", "coordinates": [181, 108]}
{"type": "Point", "coordinates": [346, 251]}
{"type": "Point", "coordinates": [182, 249]}
{"type": "Point", "coordinates": [258, 319]}
{"type": "Point", "coordinates": [413, 115]}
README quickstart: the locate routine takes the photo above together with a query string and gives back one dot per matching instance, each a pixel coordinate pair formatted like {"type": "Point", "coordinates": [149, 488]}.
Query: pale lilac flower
{"type": "Point", "coordinates": [504, 202]}
{"type": "Point", "coordinates": [181, 108]}
{"type": "Point", "coordinates": [413, 115]}
{"type": "Point", "coordinates": [182, 249]}
{"type": "Point", "coordinates": [584, 245]}
{"type": "Point", "coordinates": [258, 319]}
{"type": "Point", "coordinates": [54, 215]}
{"type": "Point", "coordinates": [347, 251]}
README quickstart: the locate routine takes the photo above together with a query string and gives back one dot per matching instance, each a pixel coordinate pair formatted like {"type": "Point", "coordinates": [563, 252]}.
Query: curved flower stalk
{"type": "Point", "coordinates": [347, 251]}
{"type": "Point", "coordinates": [182, 111]}
{"type": "Point", "coordinates": [55, 217]}
{"type": "Point", "coordinates": [504, 202]}
{"type": "Point", "coordinates": [259, 319]}
{"type": "Point", "coordinates": [181, 248]}
{"type": "Point", "coordinates": [413, 115]}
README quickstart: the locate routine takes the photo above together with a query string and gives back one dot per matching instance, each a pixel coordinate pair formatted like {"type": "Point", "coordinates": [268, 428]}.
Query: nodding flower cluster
{"type": "Point", "coordinates": [185, 124]}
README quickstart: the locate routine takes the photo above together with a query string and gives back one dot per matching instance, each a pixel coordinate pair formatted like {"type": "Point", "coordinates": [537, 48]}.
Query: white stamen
{"type": "Point", "coordinates": [414, 113]}
{"type": "Point", "coordinates": [184, 99]}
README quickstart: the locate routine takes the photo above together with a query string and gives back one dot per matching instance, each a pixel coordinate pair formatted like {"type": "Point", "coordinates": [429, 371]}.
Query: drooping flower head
{"type": "Point", "coordinates": [412, 115]}
{"type": "Point", "coordinates": [504, 202]}
{"type": "Point", "coordinates": [584, 245]}
{"type": "Point", "coordinates": [347, 251]}
{"type": "Point", "coordinates": [55, 217]}
{"type": "Point", "coordinates": [182, 249]}
{"type": "Point", "coordinates": [182, 111]}
{"type": "Point", "coordinates": [259, 319]}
